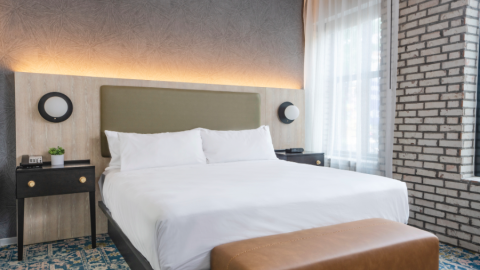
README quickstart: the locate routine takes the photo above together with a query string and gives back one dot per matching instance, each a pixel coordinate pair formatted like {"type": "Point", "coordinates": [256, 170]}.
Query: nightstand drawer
{"type": "Point", "coordinates": [312, 159]}
{"type": "Point", "coordinates": [54, 182]}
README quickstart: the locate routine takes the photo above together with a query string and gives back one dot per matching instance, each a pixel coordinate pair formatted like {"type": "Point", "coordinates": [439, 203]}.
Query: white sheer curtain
{"type": "Point", "coordinates": [349, 82]}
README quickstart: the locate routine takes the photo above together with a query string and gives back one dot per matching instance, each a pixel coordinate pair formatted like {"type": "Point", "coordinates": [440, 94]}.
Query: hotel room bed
{"type": "Point", "coordinates": [175, 215]}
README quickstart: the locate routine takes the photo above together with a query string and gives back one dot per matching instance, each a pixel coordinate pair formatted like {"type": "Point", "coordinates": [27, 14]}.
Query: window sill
{"type": "Point", "coordinates": [472, 178]}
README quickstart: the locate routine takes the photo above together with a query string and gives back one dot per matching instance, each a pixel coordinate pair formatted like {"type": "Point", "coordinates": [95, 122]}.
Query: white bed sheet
{"type": "Point", "coordinates": [175, 216]}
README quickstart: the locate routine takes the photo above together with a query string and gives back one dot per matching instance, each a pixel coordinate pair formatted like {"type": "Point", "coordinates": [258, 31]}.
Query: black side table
{"type": "Point", "coordinates": [317, 159]}
{"type": "Point", "coordinates": [74, 177]}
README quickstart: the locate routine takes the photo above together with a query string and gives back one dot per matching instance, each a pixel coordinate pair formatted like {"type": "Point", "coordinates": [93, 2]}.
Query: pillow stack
{"type": "Point", "coordinates": [132, 151]}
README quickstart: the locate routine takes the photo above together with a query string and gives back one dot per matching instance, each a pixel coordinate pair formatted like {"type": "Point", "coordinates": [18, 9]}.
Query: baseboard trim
{"type": "Point", "coordinates": [8, 241]}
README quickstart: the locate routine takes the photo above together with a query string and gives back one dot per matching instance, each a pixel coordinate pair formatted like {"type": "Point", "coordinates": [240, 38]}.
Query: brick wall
{"type": "Point", "coordinates": [435, 116]}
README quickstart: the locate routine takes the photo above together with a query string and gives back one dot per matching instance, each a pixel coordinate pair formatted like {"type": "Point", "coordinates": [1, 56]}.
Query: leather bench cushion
{"type": "Point", "coordinates": [366, 244]}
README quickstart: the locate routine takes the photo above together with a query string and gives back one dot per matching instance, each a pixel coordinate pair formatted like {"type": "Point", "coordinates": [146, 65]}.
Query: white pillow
{"type": "Point", "coordinates": [114, 147]}
{"type": "Point", "coordinates": [140, 151]}
{"type": "Point", "coordinates": [243, 145]}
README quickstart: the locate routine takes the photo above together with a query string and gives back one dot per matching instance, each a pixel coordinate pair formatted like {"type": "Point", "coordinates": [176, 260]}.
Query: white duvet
{"type": "Point", "coordinates": [174, 216]}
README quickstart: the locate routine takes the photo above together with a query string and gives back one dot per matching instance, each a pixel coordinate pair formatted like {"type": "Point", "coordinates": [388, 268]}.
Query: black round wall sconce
{"type": "Point", "coordinates": [55, 107]}
{"type": "Point", "coordinates": [287, 112]}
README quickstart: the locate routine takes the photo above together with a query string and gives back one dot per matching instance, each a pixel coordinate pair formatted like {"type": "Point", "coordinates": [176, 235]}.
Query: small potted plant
{"type": "Point", "coordinates": [56, 155]}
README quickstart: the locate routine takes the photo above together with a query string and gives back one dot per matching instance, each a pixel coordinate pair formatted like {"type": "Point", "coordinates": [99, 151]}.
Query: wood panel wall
{"type": "Point", "coordinates": [67, 216]}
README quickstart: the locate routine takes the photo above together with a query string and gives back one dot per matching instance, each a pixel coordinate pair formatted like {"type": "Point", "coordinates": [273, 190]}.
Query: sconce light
{"type": "Point", "coordinates": [287, 112]}
{"type": "Point", "coordinates": [55, 107]}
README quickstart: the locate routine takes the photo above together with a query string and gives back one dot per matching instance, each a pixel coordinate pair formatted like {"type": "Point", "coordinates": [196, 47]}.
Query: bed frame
{"type": "Point", "coordinates": [132, 256]}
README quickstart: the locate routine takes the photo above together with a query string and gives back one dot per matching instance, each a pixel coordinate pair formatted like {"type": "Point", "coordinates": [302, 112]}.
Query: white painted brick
{"type": "Point", "coordinates": [452, 14]}
{"type": "Point", "coordinates": [436, 58]}
{"type": "Point", "coordinates": [426, 173]}
{"type": "Point", "coordinates": [413, 120]}
{"type": "Point", "coordinates": [415, 46]}
{"type": "Point", "coordinates": [417, 15]}
{"type": "Point", "coordinates": [409, 84]}
{"type": "Point", "coordinates": [437, 42]}
{"type": "Point", "coordinates": [416, 32]}
{"type": "Point", "coordinates": [449, 128]}
{"type": "Point", "coordinates": [416, 76]}
{"type": "Point", "coordinates": [431, 150]}
{"type": "Point", "coordinates": [470, 195]}
{"type": "Point", "coordinates": [456, 185]}
{"type": "Point", "coordinates": [437, 73]}
{"type": "Point", "coordinates": [429, 67]}
{"type": "Point", "coordinates": [416, 135]}
{"type": "Point", "coordinates": [438, 26]}
{"type": "Point", "coordinates": [451, 112]}
{"type": "Point", "coordinates": [409, 55]}
{"type": "Point", "coordinates": [411, 163]}
{"type": "Point", "coordinates": [434, 135]}
{"type": "Point", "coordinates": [428, 20]}
{"type": "Point", "coordinates": [407, 113]}
{"type": "Point", "coordinates": [436, 89]}
{"type": "Point", "coordinates": [457, 202]}
{"type": "Point", "coordinates": [411, 40]}
{"type": "Point", "coordinates": [407, 156]}
{"type": "Point", "coordinates": [434, 9]}
{"type": "Point", "coordinates": [452, 96]}
{"type": "Point", "coordinates": [416, 61]}
{"type": "Point", "coordinates": [435, 166]}
{"type": "Point", "coordinates": [428, 97]}
{"type": "Point", "coordinates": [456, 79]}
{"type": "Point", "coordinates": [434, 120]}
{"type": "Point", "coordinates": [456, 30]}
{"type": "Point", "coordinates": [427, 128]}
{"type": "Point", "coordinates": [409, 10]}
{"type": "Point", "coordinates": [409, 25]}
{"type": "Point", "coordinates": [435, 213]}
{"type": "Point", "coordinates": [450, 159]}
{"type": "Point", "coordinates": [431, 51]}
{"type": "Point", "coordinates": [429, 82]}
{"type": "Point", "coordinates": [447, 192]}
{"type": "Point", "coordinates": [427, 142]}
{"type": "Point", "coordinates": [409, 99]}
{"type": "Point", "coordinates": [455, 63]}
{"type": "Point", "coordinates": [414, 106]}
{"type": "Point", "coordinates": [428, 113]}
{"type": "Point", "coordinates": [411, 178]}
{"type": "Point", "coordinates": [436, 228]}
{"type": "Point", "coordinates": [431, 105]}
{"type": "Point", "coordinates": [414, 91]}
{"type": "Point", "coordinates": [453, 47]}
{"type": "Point", "coordinates": [409, 70]}
{"type": "Point", "coordinates": [425, 37]}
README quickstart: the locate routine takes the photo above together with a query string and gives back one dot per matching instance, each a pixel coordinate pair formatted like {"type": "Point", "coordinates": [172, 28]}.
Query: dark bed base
{"type": "Point", "coordinates": [132, 256]}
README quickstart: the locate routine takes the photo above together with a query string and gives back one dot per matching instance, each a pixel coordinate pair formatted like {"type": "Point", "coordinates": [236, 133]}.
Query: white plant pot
{"type": "Point", "coordinates": [57, 160]}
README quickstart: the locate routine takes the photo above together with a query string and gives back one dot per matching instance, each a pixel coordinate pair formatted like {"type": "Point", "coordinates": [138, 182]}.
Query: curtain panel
{"type": "Point", "coordinates": [350, 82]}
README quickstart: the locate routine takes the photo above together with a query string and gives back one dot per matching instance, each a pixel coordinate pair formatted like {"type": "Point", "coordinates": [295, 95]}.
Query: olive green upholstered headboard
{"type": "Point", "coordinates": [154, 110]}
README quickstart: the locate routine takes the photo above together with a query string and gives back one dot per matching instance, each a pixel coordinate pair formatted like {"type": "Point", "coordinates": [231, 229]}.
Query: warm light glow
{"type": "Point", "coordinates": [62, 64]}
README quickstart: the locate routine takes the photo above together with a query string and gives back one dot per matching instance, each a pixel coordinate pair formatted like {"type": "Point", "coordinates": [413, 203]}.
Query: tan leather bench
{"type": "Point", "coordinates": [371, 244]}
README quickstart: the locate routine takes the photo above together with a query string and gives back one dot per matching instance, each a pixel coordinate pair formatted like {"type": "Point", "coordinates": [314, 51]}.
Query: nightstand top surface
{"type": "Point", "coordinates": [294, 154]}
{"type": "Point", "coordinates": [68, 164]}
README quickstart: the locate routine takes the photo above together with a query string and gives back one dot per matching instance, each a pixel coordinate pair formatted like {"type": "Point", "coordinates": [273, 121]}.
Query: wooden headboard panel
{"type": "Point", "coordinates": [155, 110]}
{"type": "Point", "coordinates": [66, 216]}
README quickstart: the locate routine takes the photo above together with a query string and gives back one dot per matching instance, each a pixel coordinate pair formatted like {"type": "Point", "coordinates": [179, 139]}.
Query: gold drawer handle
{"type": "Point", "coordinates": [31, 183]}
{"type": "Point", "coordinates": [319, 162]}
{"type": "Point", "coordinates": [82, 179]}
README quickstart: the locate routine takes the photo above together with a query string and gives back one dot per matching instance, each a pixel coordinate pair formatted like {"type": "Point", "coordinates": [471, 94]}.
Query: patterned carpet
{"type": "Point", "coordinates": [77, 254]}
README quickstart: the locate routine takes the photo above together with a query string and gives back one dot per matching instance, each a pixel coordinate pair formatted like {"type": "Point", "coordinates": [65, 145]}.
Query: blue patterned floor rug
{"type": "Point", "coordinates": [77, 254]}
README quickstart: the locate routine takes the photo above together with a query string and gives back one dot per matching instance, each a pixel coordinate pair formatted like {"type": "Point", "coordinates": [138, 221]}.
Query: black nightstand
{"type": "Point", "coordinates": [311, 158]}
{"type": "Point", "coordinates": [74, 177]}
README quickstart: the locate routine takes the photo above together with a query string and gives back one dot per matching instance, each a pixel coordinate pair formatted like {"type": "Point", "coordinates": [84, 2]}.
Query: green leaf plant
{"type": "Point", "coordinates": [56, 151]}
